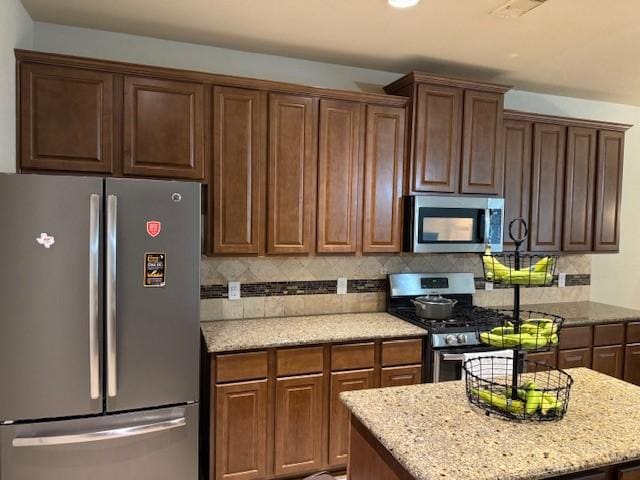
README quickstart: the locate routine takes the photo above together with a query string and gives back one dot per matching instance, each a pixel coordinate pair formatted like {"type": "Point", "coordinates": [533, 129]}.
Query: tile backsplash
{"type": "Point", "coordinates": [306, 286]}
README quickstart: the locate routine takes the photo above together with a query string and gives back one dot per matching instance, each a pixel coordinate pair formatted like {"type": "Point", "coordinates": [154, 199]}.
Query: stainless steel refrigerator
{"type": "Point", "coordinates": [99, 328]}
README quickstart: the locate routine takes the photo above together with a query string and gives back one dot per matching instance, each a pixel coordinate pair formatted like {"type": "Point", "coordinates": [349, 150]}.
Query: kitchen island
{"type": "Point", "coordinates": [430, 431]}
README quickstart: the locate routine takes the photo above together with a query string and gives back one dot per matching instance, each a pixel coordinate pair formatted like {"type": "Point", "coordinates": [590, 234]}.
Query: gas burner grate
{"type": "Point", "coordinates": [465, 316]}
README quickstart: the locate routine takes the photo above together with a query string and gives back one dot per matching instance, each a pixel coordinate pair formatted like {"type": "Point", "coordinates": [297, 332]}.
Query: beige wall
{"type": "Point", "coordinates": [16, 30]}
{"type": "Point", "coordinates": [614, 276]}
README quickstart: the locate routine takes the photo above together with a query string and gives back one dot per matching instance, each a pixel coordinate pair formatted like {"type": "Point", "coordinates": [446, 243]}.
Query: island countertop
{"type": "Point", "coordinates": [234, 335]}
{"type": "Point", "coordinates": [433, 432]}
{"type": "Point", "coordinates": [585, 313]}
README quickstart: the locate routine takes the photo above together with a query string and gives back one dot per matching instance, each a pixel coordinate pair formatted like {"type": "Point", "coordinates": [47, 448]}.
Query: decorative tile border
{"type": "Point", "coordinates": [323, 287]}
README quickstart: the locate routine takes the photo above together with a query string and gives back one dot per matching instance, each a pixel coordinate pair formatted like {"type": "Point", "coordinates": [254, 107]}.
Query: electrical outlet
{"type": "Point", "coordinates": [342, 286]}
{"type": "Point", "coordinates": [234, 290]}
{"type": "Point", "coordinates": [562, 280]}
{"type": "Point", "coordinates": [488, 286]}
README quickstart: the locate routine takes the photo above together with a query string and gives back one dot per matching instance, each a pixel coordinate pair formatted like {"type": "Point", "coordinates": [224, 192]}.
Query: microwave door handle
{"type": "Point", "coordinates": [94, 294]}
{"type": "Point", "coordinates": [99, 435]}
{"type": "Point", "coordinates": [112, 236]}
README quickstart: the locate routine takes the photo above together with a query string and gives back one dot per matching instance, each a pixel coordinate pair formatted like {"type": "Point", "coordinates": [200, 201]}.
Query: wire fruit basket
{"type": "Point", "coordinates": [512, 387]}
{"type": "Point", "coordinates": [541, 392]}
{"type": "Point", "coordinates": [533, 332]}
{"type": "Point", "coordinates": [519, 269]}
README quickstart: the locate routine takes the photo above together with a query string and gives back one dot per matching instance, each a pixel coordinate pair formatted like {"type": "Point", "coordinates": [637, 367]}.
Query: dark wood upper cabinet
{"type": "Point", "coordinates": [517, 175]}
{"type": "Point", "coordinates": [66, 120]}
{"type": "Point", "coordinates": [438, 138]}
{"type": "Point", "coordinates": [579, 189]}
{"type": "Point", "coordinates": [547, 187]}
{"type": "Point", "coordinates": [291, 173]}
{"type": "Point", "coordinates": [482, 157]}
{"type": "Point", "coordinates": [608, 191]}
{"type": "Point", "coordinates": [383, 177]}
{"type": "Point", "coordinates": [163, 128]}
{"type": "Point", "coordinates": [239, 172]}
{"type": "Point", "coordinates": [339, 175]}
{"type": "Point", "coordinates": [240, 431]}
{"type": "Point", "coordinates": [298, 424]}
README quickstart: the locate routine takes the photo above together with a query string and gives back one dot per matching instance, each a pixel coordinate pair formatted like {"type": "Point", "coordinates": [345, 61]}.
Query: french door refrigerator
{"type": "Point", "coordinates": [99, 328]}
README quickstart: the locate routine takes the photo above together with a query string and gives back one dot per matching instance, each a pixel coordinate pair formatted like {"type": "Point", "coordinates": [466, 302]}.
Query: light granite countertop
{"type": "Point", "coordinates": [432, 430]}
{"type": "Point", "coordinates": [234, 335]}
{"type": "Point", "coordinates": [585, 313]}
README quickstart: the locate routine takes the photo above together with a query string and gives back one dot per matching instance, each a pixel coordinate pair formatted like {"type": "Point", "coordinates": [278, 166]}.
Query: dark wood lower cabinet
{"type": "Point", "coordinates": [609, 360]}
{"type": "Point", "coordinates": [580, 357]}
{"type": "Point", "coordinates": [547, 358]}
{"type": "Point", "coordinates": [632, 364]}
{"type": "Point", "coordinates": [298, 424]}
{"type": "Point", "coordinates": [629, 473]}
{"type": "Point", "coordinates": [241, 431]}
{"type": "Point", "coordinates": [339, 416]}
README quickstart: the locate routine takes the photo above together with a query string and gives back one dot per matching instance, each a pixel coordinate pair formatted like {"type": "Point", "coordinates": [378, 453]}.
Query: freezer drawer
{"type": "Point", "coordinates": [151, 445]}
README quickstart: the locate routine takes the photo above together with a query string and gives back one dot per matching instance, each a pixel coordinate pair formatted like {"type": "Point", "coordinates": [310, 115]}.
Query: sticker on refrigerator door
{"type": "Point", "coordinates": [154, 269]}
{"type": "Point", "coordinates": [46, 240]}
{"type": "Point", "coordinates": [153, 228]}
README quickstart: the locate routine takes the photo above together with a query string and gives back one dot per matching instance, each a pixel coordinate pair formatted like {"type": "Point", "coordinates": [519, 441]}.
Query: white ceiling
{"type": "Point", "coordinates": [583, 48]}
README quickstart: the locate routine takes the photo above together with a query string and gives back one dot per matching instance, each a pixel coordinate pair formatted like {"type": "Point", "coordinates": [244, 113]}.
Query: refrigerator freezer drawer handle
{"type": "Point", "coordinates": [112, 237]}
{"type": "Point", "coordinates": [94, 293]}
{"type": "Point", "coordinates": [99, 435]}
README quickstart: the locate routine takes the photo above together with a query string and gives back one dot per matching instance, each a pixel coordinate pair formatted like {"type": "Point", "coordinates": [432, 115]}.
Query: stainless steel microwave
{"type": "Point", "coordinates": [439, 224]}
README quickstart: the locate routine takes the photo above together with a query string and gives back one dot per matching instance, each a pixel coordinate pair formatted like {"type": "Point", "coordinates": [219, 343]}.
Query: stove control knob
{"type": "Point", "coordinates": [450, 339]}
{"type": "Point", "coordinates": [462, 338]}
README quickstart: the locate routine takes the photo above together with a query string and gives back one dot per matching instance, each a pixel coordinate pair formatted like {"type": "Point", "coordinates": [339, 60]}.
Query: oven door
{"type": "Point", "coordinates": [447, 362]}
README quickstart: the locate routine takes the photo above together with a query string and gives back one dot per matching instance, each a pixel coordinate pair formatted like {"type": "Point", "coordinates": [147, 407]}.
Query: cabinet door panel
{"type": "Point", "coordinates": [632, 364]}
{"type": "Point", "coordinates": [66, 119]}
{"type": "Point", "coordinates": [547, 187]}
{"type": "Point", "coordinates": [163, 128]}
{"type": "Point", "coordinates": [384, 161]}
{"type": "Point", "coordinates": [482, 159]}
{"type": "Point", "coordinates": [339, 418]}
{"type": "Point", "coordinates": [339, 174]}
{"type": "Point", "coordinates": [241, 431]}
{"type": "Point", "coordinates": [239, 170]}
{"type": "Point", "coordinates": [608, 191]}
{"type": "Point", "coordinates": [397, 376]}
{"type": "Point", "coordinates": [292, 173]}
{"type": "Point", "coordinates": [517, 175]}
{"type": "Point", "coordinates": [609, 360]}
{"type": "Point", "coordinates": [574, 358]}
{"type": "Point", "coordinates": [629, 473]}
{"type": "Point", "coordinates": [438, 136]}
{"type": "Point", "coordinates": [298, 432]}
{"type": "Point", "coordinates": [579, 189]}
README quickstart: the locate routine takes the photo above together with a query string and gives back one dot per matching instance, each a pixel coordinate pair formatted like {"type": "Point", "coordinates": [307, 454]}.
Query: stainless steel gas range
{"type": "Point", "coordinates": [448, 340]}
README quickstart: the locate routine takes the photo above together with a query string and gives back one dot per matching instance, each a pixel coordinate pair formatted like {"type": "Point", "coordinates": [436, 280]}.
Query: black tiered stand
{"type": "Point", "coordinates": [555, 383]}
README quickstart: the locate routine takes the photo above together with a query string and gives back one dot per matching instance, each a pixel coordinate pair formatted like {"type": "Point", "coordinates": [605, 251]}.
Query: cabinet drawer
{"type": "Point", "coordinates": [633, 332]}
{"type": "Point", "coordinates": [546, 358]}
{"type": "Point", "coordinates": [575, 337]}
{"type": "Point", "coordinates": [298, 361]}
{"type": "Point", "coordinates": [610, 334]}
{"type": "Point", "coordinates": [629, 473]}
{"type": "Point", "coordinates": [401, 352]}
{"type": "Point", "coordinates": [241, 366]}
{"type": "Point", "coordinates": [352, 356]}
{"type": "Point", "coordinates": [574, 358]}
{"type": "Point", "coordinates": [396, 376]}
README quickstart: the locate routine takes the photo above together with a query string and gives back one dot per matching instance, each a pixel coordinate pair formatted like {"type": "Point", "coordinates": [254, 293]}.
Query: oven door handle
{"type": "Point", "coordinates": [452, 357]}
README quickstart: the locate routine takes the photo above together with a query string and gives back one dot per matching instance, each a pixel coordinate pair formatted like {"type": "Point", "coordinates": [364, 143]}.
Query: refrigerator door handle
{"type": "Point", "coordinates": [94, 293]}
{"type": "Point", "coordinates": [112, 235]}
{"type": "Point", "coordinates": [99, 435]}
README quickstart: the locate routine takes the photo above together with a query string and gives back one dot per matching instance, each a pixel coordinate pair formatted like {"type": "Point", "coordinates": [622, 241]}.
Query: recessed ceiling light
{"type": "Point", "coordinates": [403, 3]}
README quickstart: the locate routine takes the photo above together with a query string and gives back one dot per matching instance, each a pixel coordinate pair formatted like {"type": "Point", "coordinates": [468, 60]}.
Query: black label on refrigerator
{"type": "Point", "coordinates": [154, 269]}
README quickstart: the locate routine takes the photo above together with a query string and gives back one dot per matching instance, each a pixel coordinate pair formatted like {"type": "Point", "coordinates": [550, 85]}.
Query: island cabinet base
{"type": "Point", "coordinates": [370, 460]}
